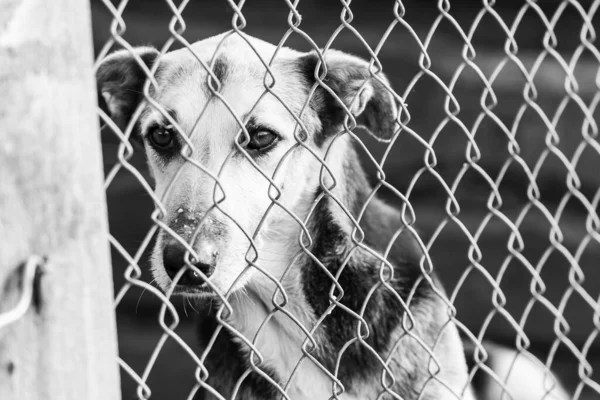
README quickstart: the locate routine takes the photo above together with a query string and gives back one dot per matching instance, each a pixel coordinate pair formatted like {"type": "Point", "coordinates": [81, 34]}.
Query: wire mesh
{"type": "Point", "coordinates": [495, 145]}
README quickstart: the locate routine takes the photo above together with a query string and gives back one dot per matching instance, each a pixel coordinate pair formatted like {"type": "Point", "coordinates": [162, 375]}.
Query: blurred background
{"type": "Point", "coordinates": [515, 112]}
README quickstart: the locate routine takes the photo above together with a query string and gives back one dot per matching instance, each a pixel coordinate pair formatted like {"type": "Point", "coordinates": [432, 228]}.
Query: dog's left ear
{"type": "Point", "coordinates": [361, 91]}
{"type": "Point", "coordinates": [120, 78]}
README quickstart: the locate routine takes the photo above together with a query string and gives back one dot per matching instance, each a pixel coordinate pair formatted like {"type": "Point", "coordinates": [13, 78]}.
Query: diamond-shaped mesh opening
{"type": "Point", "coordinates": [491, 166]}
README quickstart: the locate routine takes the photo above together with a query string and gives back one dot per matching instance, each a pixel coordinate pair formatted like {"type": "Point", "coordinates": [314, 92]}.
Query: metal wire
{"type": "Point", "coordinates": [30, 269]}
{"type": "Point", "coordinates": [453, 215]}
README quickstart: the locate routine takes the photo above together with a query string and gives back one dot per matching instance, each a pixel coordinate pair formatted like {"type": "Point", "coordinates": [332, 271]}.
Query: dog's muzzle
{"type": "Point", "coordinates": [173, 260]}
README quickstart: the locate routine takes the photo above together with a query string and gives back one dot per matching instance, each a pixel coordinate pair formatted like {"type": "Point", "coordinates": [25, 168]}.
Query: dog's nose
{"type": "Point", "coordinates": [173, 261]}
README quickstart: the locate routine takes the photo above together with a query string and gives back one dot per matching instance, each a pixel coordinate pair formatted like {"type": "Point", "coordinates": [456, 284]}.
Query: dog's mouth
{"type": "Point", "coordinates": [203, 290]}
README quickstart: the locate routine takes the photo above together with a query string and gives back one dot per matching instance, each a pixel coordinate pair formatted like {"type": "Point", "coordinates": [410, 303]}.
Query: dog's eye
{"type": "Point", "coordinates": [261, 140]}
{"type": "Point", "coordinates": [162, 137]}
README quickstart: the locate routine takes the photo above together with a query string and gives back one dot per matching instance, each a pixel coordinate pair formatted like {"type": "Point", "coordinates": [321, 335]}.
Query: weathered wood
{"type": "Point", "coordinates": [52, 204]}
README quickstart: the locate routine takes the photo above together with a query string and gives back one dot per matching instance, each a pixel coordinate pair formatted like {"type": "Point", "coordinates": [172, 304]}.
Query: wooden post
{"type": "Point", "coordinates": [52, 204]}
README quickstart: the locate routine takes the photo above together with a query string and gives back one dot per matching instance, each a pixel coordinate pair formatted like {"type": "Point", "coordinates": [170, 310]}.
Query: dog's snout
{"type": "Point", "coordinates": [173, 260]}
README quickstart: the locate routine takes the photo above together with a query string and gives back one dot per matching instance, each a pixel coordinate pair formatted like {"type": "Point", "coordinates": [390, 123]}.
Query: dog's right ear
{"type": "Point", "coordinates": [365, 94]}
{"type": "Point", "coordinates": [121, 79]}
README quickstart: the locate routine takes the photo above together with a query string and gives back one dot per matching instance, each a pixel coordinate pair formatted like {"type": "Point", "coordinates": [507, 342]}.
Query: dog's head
{"type": "Point", "coordinates": [234, 170]}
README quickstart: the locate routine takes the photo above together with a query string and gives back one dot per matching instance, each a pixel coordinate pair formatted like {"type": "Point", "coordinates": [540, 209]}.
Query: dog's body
{"type": "Point", "coordinates": [327, 291]}
{"type": "Point", "coordinates": [359, 367]}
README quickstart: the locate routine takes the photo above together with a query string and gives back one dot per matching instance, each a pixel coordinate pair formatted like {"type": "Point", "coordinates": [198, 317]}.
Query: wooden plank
{"type": "Point", "coordinates": [52, 204]}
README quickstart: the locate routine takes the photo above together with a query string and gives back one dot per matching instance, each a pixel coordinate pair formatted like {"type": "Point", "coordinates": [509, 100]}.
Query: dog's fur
{"type": "Point", "coordinates": [218, 197]}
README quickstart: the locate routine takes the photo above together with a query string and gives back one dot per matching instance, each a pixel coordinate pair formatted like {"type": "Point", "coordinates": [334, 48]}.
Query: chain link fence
{"type": "Point", "coordinates": [494, 167]}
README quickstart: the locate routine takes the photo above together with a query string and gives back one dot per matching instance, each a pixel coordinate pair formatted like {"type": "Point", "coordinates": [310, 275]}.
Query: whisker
{"type": "Point", "coordinates": [244, 292]}
{"type": "Point", "coordinates": [270, 260]}
{"type": "Point", "coordinates": [141, 294]}
{"type": "Point", "coordinates": [132, 90]}
{"type": "Point", "coordinates": [236, 296]}
{"type": "Point", "coordinates": [272, 252]}
{"type": "Point", "coordinates": [184, 309]}
{"type": "Point", "coordinates": [190, 303]}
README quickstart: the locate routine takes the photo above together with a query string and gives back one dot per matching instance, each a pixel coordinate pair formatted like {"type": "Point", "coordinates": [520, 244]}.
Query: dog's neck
{"type": "Point", "coordinates": [275, 317]}
{"type": "Point", "coordinates": [280, 253]}
{"type": "Point", "coordinates": [292, 315]}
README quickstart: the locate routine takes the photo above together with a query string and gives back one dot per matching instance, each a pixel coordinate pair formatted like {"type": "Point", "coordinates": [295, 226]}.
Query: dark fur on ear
{"type": "Point", "coordinates": [374, 107]}
{"type": "Point", "coordinates": [121, 81]}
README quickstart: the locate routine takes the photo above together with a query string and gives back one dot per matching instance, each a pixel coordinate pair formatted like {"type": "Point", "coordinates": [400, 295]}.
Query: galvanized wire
{"type": "Point", "coordinates": [453, 212]}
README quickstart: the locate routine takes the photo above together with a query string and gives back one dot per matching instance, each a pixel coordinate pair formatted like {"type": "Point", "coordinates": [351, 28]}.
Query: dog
{"type": "Point", "coordinates": [321, 290]}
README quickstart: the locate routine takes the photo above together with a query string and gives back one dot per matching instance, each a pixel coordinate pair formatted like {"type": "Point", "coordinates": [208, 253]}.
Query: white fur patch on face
{"type": "Point", "coordinates": [218, 180]}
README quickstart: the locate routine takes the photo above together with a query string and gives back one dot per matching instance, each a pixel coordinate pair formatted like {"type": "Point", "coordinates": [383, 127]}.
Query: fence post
{"type": "Point", "coordinates": [52, 204]}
